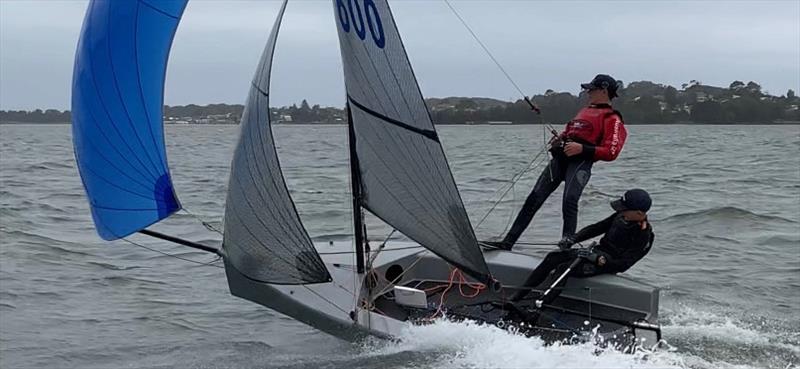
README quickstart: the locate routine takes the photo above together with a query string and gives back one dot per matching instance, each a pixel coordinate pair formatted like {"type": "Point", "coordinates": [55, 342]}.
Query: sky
{"type": "Point", "coordinates": [541, 44]}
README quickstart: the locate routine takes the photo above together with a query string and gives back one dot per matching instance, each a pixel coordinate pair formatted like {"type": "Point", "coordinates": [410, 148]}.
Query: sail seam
{"type": "Point", "coordinates": [427, 190]}
{"type": "Point", "coordinates": [122, 101]}
{"type": "Point", "coordinates": [110, 120]}
{"type": "Point", "coordinates": [297, 229]}
{"type": "Point", "coordinates": [157, 9]}
{"type": "Point", "coordinates": [162, 159]}
{"type": "Point", "coordinates": [383, 85]}
{"type": "Point", "coordinates": [364, 78]}
{"type": "Point", "coordinates": [470, 231]}
{"type": "Point", "coordinates": [426, 113]}
{"type": "Point", "coordinates": [424, 132]}
{"type": "Point", "coordinates": [411, 114]}
{"type": "Point", "coordinates": [121, 188]}
{"type": "Point", "coordinates": [258, 241]}
{"type": "Point", "coordinates": [264, 93]}
{"type": "Point", "coordinates": [246, 147]}
{"type": "Point", "coordinates": [265, 227]}
{"type": "Point", "coordinates": [144, 186]}
{"type": "Point", "coordinates": [397, 201]}
{"type": "Point", "coordinates": [145, 174]}
{"type": "Point", "coordinates": [277, 255]}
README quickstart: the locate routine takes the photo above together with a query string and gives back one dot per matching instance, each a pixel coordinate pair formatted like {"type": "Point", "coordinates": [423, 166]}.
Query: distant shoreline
{"type": "Point", "coordinates": [783, 123]}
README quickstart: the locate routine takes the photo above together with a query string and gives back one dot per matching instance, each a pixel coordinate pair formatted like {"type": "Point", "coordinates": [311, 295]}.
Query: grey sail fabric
{"type": "Point", "coordinates": [264, 238]}
{"type": "Point", "coordinates": [405, 178]}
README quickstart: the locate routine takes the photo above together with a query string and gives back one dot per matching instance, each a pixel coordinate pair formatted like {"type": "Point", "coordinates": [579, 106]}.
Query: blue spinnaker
{"type": "Point", "coordinates": [117, 99]}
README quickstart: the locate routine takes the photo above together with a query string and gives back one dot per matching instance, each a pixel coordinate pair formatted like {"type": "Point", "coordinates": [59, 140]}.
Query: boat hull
{"type": "Point", "coordinates": [343, 308]}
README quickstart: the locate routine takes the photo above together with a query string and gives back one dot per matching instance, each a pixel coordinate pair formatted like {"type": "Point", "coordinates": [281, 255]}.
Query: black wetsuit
{"type": "Point", "coordinates": [623, 244]}
{"type": "Point", "coordinates": [575, 173]}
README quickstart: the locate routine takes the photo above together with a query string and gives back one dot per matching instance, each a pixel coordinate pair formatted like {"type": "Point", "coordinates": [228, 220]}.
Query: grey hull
{"type": "Point", "coordinates": [339, 307]}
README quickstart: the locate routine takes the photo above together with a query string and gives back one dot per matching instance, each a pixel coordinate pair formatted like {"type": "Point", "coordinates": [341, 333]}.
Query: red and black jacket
{"type": "Point", "coordinates": [601, 131]}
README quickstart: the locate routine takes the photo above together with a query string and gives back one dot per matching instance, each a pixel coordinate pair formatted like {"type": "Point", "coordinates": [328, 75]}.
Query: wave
{"type": "Point", "coordinates": [726, 213]}
{"type": "Point", "coordinates": [39, 241]}
{"type": "Point", "coordinates": [472, 345]}
{"type": "Point", "coordinates": [779, 240]}
{"type": "Point", "coordinates": [111, 266]}
{"type": "Point", "coordinates": [742, 340]}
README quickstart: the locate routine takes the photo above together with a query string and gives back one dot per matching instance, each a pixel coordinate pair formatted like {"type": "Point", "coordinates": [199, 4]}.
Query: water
{"type": "Point", "coordinates": [727, 254]}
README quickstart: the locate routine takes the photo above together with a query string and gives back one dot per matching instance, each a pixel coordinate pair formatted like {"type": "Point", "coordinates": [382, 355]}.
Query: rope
{"type": "Point", "coordinates": [203, 222]}
{"type": "Point", "coordinates": [478, 287]}
{"type": "Point", "coordinates": [210, 263]}
{"type": "Point", "coordinates": [380, 248]}
{"type": "Point", "coordinates": [375, 251]}
{"type": "Point", "coordinates": [392, 282]}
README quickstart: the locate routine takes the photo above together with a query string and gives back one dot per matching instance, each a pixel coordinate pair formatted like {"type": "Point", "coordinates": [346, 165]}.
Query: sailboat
{"type": "Point", "coordinates": [399, 173]}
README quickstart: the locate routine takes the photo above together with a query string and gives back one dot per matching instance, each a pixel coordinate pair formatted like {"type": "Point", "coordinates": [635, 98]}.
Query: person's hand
{"type": "Point", "coordinates": [601, 260]}
{"type": "Point", "coordinates": [588, 255]}
{"type": "Point", "coordinates": [566, 242]}
{"type": "Point", "coordinates": [573, 148]}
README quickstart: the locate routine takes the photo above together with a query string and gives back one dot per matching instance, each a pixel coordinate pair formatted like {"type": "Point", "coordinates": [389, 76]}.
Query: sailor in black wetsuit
{"type": "Point", "coordinates": [627, 237]}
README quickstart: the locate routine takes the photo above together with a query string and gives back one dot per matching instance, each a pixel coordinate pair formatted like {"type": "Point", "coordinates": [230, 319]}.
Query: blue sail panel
{"type": "Point", "coordinates": [117, 124]}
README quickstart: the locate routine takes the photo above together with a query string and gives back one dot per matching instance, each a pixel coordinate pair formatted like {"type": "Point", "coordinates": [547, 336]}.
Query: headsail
{"type": "Point", "coordinates": [117, 98]}
{"type": "Point", "coordinates": [405, 178]}
{"type": "Point", "coordinates": [264, 238]}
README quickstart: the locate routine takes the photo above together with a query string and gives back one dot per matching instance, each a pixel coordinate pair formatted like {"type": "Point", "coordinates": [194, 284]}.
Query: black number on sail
{"type": "Point", "coordinates": [378, 26]}
{"type": "Point", "coordinates": [358, 24]}
{"type": "Point", "coordinates": [344, 20]}
{"type": "Point", "coordinates": [348, 16]}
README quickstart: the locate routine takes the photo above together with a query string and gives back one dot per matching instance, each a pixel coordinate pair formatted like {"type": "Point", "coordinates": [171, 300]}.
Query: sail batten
{"type": "Point", "coordinates": [264, 238]}
{"type": "Point", "coordinates": [431, 134]}
{"type": "Point", "coordinates": [403, 173]}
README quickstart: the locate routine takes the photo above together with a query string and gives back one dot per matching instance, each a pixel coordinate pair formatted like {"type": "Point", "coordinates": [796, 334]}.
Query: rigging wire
{"type": "Point", "coordinates": [530, 166]}
{"type": "Point", "coordinates": [210, 263]}
{"type": "Point", "coordinates": [516, 177]}
{"type": "Point", "coordinates": [208, 226]}
{"type": "Point", "coordinates": [372, 252]}
{"type": "Point", "coordinates": [325, 299]}
{"type": "Point", "coordinates": [489, 53]}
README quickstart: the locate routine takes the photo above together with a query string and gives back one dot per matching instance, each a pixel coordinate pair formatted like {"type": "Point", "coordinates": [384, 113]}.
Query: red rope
{"type": "Point", "coordinates": [478, 287]}
{"type": "Point", "coordinates": [455, 273]}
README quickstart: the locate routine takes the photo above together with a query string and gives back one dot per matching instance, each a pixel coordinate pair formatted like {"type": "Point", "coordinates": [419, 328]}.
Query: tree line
{"type": "Point", "coordinates": [640, 102]}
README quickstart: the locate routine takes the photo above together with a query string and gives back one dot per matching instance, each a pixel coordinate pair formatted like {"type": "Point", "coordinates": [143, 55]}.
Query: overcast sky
{"type": "Point", "coordinates": [541, 44]}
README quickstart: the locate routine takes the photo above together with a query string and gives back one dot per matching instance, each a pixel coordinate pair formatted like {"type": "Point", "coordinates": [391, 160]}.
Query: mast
{"type": "Point", "coordinates": [359, 230]}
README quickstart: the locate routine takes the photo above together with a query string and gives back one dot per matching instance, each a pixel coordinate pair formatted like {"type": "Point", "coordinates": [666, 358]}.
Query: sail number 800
{"type": "Point", "coordinates": [351, 15]}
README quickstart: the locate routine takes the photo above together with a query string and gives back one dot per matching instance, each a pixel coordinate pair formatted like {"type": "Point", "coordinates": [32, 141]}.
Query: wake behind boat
{"type": "Point", "coordinates": [399, 173]}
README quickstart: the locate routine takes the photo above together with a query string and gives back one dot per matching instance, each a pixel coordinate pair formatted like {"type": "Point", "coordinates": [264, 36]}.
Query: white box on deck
{"type": "Point", "coordinates": [412, 297]}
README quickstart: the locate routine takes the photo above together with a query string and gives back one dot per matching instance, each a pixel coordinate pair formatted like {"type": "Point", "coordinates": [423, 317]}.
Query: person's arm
{"type": "Point", "coordinates": [630, 256]}
{"type": "Point", "coordinates": [594, 230]}
{"type": "Point", "coordinates": [614, 135]}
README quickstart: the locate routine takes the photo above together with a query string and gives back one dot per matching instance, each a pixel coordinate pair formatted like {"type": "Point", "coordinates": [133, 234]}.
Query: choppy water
{"type": "Point", "coordinates": [726, 213]}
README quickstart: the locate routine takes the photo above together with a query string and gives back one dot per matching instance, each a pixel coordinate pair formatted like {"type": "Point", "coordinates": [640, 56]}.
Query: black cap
{"type": "Point", "coordinates": [636, 199]}
{"type": "Point", "coordinates": [603, 81]}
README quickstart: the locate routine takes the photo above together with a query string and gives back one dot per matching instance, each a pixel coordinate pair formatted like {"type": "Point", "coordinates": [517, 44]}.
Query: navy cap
{"type": "Point", "coordinates": [603, 81]}
{"type": "Point", "coordinates": [636, 199]}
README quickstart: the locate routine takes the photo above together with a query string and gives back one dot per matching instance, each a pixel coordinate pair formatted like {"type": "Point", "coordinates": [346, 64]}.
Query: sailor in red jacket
{"type": "Point", "coordinates": [596, 133]}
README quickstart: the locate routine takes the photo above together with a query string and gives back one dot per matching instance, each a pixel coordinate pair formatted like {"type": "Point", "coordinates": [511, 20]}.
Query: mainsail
{"type": "Point", "coordinates": [405, 178]}
{"type": "Point", "coordinates": [117, 98]}
{"type": "Point", "coordinates": [264, 238]}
